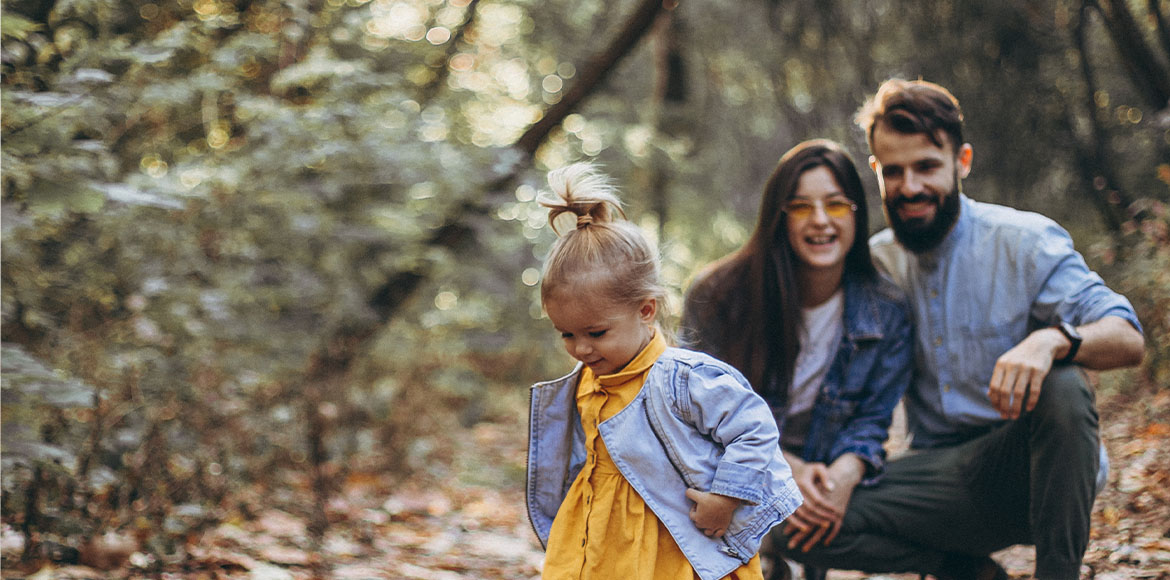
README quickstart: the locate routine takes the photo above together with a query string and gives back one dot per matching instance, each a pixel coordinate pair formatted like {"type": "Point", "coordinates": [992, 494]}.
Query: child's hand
{"type": "Point", "coordinates": [711, 512]}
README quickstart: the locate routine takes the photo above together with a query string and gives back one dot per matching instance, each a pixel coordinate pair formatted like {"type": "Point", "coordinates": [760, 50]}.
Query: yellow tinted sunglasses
{"type": "Point", "coordinates": [802, 210]}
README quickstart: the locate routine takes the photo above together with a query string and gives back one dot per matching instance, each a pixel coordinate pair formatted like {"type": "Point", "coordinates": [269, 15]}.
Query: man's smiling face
{"type": "Point", "coordinates": [920, 184]}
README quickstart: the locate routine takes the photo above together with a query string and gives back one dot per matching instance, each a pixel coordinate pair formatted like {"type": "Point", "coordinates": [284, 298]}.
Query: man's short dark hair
{"type": "Point", "coordinates": [913, 107]}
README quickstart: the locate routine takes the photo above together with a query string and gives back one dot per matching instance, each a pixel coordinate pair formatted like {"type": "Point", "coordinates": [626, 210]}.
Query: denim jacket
{"type": "Point", "coordinates": [694, 424]}
{"type": "Point", "coordinates": [872, 367]}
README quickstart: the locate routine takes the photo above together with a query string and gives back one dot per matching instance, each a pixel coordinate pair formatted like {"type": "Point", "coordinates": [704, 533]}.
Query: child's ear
{"type": "Point", "coordinates": [648, 310]}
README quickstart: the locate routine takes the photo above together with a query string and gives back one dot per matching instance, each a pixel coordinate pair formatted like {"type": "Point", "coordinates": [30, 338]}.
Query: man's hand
{"type": "Point", "coordinates": [1109, 343]}
{"type": "Point", "coordinates": [711, 512]}
{"type": "Point", "coordinates": [1019, 373]}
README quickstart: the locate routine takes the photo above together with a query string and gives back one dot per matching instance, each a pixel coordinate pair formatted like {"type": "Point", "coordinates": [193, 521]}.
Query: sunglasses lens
{"type": "Point", "coordinates": [838, 209]}
{"type": "Point", "coordinates": [833, 209]}
{"type": "Point", "coordinates": [799, 211]}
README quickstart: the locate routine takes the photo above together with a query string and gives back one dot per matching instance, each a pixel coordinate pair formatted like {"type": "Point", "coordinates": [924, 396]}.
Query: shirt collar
{"type": "Point", "coordinates": [639, 365]}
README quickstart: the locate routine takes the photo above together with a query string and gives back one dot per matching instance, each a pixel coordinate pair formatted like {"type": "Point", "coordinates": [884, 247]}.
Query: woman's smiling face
{"type": "Point", "coordinates": [820, 239]}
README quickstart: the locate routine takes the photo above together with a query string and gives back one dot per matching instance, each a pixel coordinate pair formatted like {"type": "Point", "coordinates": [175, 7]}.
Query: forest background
{"type": "Point", "coordinates": [263, 257]}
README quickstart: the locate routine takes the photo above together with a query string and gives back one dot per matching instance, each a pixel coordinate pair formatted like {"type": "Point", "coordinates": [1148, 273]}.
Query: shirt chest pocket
{"type": "Point", "coordinates": [979, 349]}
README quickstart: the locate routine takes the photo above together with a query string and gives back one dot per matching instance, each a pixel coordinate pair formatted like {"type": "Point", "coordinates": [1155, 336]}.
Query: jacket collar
{"type": "Point", "coordinates": [862, 320]}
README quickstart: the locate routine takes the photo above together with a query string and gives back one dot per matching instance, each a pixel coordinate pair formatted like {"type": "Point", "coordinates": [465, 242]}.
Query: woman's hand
{"type": "Point", "coordinates": [711, 512]}
{"type": "Point", "coordinates": [826, 491]}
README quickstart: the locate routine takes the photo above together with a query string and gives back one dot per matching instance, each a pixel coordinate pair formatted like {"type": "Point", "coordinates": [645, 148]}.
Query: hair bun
{"type": "Point", "coordinates": [583, 191]}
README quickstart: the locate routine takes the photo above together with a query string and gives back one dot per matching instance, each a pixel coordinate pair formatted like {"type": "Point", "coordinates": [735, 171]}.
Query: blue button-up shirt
{"type": "Point", "coordinates": [1000, 274]}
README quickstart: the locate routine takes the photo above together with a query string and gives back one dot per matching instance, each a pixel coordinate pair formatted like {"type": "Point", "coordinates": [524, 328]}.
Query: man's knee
{"type": "Point", "coordinates": [1066, 399]}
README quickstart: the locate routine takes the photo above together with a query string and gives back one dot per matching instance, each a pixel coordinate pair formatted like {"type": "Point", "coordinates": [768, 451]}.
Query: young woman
{"type": "Point", "coordinates": [800, 310]}
{"type": "Point", "coordinates": [645, 461]}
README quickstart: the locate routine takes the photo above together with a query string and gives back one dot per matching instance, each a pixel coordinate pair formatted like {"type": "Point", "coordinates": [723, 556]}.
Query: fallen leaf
{"type": "Point", "coordinates": [270, 572]}
{"type": "Point", "coordinates": [1156, 430]}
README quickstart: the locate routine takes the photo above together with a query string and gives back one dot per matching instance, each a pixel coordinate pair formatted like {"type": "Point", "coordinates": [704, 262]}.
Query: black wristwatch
{"type": "Point", "coordinates": [1074, 338]}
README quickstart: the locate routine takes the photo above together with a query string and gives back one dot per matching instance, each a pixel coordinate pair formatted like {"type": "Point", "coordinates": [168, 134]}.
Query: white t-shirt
{"type": "Point", "coordinates": [819, 336]}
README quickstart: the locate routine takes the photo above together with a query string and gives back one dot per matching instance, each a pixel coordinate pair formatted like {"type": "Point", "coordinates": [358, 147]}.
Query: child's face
{"type": "Point", "coordinates": [604, 336]}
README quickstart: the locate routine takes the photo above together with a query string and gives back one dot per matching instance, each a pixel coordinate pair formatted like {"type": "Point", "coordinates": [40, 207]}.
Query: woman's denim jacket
{"type": "Point", "coordinates": [872, 368]}
{"type": "Point", "coordinates": [696, 423]}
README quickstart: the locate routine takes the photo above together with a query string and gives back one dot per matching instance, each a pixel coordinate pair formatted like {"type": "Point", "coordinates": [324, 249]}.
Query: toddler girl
{"type": "Point", "coordinates": [646, 461]}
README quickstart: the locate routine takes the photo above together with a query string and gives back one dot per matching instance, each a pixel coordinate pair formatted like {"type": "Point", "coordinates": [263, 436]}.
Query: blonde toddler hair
{"type": "Point", "coordinates": [603, 246]}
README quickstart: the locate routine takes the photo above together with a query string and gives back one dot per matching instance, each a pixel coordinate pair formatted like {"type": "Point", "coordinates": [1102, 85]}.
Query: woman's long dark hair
{"type": "Point", "coordinates": [752, 294]}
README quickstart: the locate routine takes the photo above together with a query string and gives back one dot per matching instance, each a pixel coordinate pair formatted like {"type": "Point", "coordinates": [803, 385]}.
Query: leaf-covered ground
{"type": "Point", "coordinates": [468, 521]}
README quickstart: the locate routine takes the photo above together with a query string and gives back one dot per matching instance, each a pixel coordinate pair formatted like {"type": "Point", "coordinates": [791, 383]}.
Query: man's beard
{"type": "Point", "coordinates": [918, 235]}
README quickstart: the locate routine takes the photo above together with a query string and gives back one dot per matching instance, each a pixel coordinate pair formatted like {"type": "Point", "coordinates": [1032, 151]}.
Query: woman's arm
{"type": "Point", "coordinates": [866, 430]}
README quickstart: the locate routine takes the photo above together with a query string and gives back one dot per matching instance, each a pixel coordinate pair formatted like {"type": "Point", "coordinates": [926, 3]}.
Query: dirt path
{"type": "Point", "coordinates": [468, 522]}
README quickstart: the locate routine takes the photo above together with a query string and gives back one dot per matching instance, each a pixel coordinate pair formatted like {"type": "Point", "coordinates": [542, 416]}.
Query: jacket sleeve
{"type": "Point", "coordinates": [866, 431]}
{"type": "Point", "coordinates": [723, 407]}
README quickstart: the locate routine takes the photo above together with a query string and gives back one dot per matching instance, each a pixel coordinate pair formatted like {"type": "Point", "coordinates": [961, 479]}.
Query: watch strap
{"type": "Point", "coordinates": [1074, 339]}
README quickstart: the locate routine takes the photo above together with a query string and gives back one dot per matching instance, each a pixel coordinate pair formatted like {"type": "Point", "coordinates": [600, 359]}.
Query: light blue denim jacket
{"type": "Point", "coordinates": [695, 424]}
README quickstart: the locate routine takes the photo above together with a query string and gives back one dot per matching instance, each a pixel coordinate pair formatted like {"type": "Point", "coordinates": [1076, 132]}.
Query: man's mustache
{"type": "Point", "coordinates": [917, 198]}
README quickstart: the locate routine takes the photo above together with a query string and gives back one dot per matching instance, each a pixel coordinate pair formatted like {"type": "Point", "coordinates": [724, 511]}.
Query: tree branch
{"type": "Point", "coordinates": [432, 88]}
{"type": "Point", "coordinates": [1150, 78]}
{"type": "Point", "coordinates": [1162, 27]}
{"type": "Point", "coordinates": [592, 75]}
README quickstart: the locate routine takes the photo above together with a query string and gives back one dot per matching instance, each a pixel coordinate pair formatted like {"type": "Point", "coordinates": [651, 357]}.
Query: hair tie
{"type": "Point", "coordinates": [584, 220]}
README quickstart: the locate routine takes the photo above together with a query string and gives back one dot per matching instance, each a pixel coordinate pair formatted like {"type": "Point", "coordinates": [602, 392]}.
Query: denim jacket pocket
{"type": "Point", "coordinates": [839, 410]}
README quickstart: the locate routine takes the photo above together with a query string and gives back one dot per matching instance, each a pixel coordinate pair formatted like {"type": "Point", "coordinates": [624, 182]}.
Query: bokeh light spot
{"type": "Point", "coordinates": [438, 35]}
{"type": "Point", "coordinates": [446, 300]}
{"type": "Point", "coordinates": [552, 84]}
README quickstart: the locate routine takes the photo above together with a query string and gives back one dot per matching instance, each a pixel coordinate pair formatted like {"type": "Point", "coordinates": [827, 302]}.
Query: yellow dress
{"type": "Point", "coordinates": [603, 530]}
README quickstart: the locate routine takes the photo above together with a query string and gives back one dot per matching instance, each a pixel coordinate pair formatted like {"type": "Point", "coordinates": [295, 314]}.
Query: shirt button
{"type": "Point", "coordinates": [938, 341]}
{"type": "Point", "coordinates": [934, 293]}
{"type": "Point", "coordinates": [947, 388]}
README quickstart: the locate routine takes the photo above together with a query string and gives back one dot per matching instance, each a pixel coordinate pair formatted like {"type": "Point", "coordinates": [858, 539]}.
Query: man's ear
{"type": "Point", "coordinates": [964, 157]}
{"type": "Point", "coordinates": [648, 310]}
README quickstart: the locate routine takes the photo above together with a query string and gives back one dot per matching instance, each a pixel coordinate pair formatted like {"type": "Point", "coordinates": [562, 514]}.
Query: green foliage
{"type": "Point", "coordinates": [44, 433]}
{"type": "Point", "coordinates": [17, 27]}
{"type": "Point", "coordinates": [189, 222]}
{"type": "Point", "coordinates": [31, 395]}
